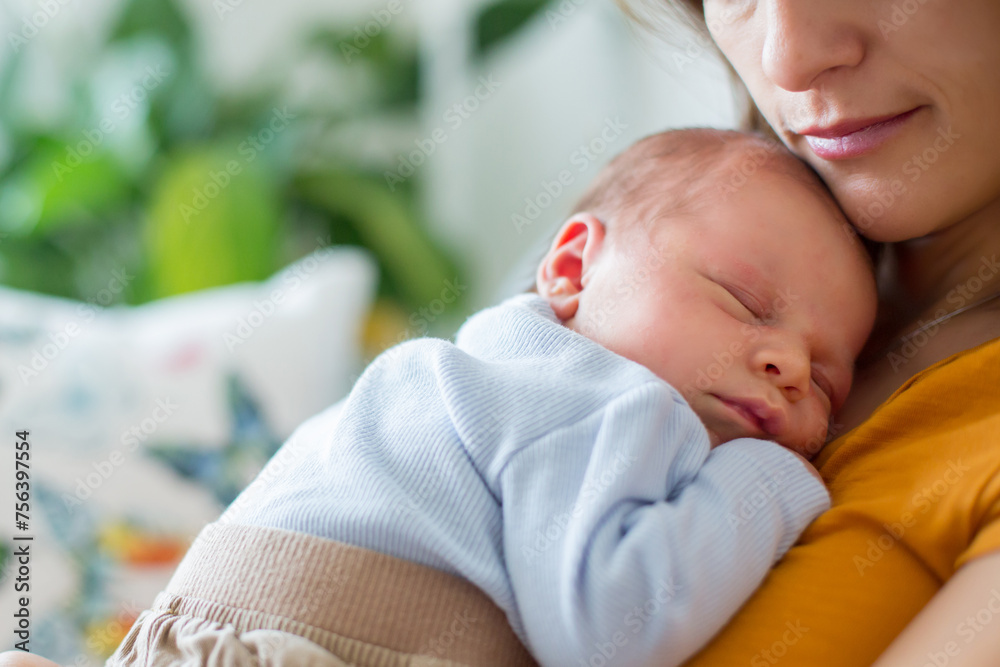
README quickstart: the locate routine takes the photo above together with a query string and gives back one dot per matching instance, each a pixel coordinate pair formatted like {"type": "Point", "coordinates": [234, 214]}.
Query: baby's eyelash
{"type": "Point", "coordinates": [825, 386]}
{"type": "Point", "coordinates": [745, 301]}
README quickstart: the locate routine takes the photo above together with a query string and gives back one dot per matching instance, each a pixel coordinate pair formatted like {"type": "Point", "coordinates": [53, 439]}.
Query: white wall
{"type": "Point", "coordinates": [561, 81]}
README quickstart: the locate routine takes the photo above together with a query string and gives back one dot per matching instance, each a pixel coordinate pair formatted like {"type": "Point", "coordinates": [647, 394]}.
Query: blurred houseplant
{"type": "Point", "coordinates": [154, 180]}
{"type": "Point", "coordinates": [178, 186]}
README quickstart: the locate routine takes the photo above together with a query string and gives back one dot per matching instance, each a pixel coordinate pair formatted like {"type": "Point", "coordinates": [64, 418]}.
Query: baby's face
{"type": "Point", "coordinates": [755, 309]}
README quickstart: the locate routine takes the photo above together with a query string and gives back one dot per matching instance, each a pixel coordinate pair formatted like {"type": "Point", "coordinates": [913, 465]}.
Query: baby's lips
{"type": "Point", "coordinates": [776, 424]}
{"type": "Point", "coordinates": [771, 419]}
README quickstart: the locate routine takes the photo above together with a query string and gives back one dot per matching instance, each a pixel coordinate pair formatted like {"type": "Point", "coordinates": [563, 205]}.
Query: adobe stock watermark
{"type": "Point", "coordinates": [86, 485]}
{"type": "Point", "coordinates": [424, 316]}
{"type": "Point", "coordinates": [43, 356]}
{"type": "Point", "coordinates": [740, 175]}
{"type": "Point", "coordinates": [593, 486]}
{"type": "Point", "coordinates": [419, 325]}
{"type": "Point", "coordinates": [34, 23]}
{"type": "Point", "coordinates": [918, 165]}
{"type": "Point", "coordinates": [486, 428]}
{"type": "Point", "coordinates": [967, 630]}
{"type": "Point", "coordinates": [363, 35]}
{"type": "Point", "coordinates": [415, 499]}
{"type": "Point", "coordinates": [454, 117]}
{"type": "Point", "coordinates": [699, 44]}
{"type": "Point", "coordinates": [224, 7]}
{"type": "Point", "coordinates": [580, 159]}
{"type": "Point", "coordinates": [292, 278]}
{"type": "Point", "coordinates": [922, 502]}
{"type": "Point", "coordinates": [421, 319]}
{"type": "Point", "coordinates": [625, 287]}
{"type": "Point", "coordinates": [759, 498]}
{"type": "Point", "coordinates": [106, 639]}
{"type": "Point", "coordinates": [121, 108]}
{"type": "Point", "coordinates": [899, 16]}
{"type": "Point", "coordinates": [438, 646]}
{"type": "Point", "coordinates": [562, 12]}
{"type": "Point", "coordinates": [907, 346]}
{"type": "Point", "coordinates": [779, 648]}
{"type": "Point", "coordinates": [723, 360]}
{"type": "Point", "coordinates": [279, 465]}
{"type": "Point", "coordinates": [634, 620]}
{"type": "Point", "coordinates": [249, 149]}
{"type": "Point", "coordinates": [913, 169]}
{"type": "Point", "coordinates": [973, 625]}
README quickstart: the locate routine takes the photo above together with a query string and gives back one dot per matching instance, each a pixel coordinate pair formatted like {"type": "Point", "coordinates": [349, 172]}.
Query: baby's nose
{"type": "Point", "coordinates": [788, 369]}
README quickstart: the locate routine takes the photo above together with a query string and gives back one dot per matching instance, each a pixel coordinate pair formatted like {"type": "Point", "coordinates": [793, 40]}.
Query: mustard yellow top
{"type": "Point", "coordinates": [916, 494]}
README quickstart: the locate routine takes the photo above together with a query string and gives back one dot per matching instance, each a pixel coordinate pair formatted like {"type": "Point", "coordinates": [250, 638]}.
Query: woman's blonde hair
{"type": "Point", "coordinates": [665, 18]}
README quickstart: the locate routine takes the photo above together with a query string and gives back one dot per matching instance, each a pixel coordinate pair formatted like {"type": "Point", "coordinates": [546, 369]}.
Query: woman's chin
{"type": "Point", "coordinates": [888, 210]}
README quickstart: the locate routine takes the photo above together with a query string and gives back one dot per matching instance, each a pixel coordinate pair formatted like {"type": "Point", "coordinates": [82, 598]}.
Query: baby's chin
{"type": "Point", "coordinates": [807, 450]}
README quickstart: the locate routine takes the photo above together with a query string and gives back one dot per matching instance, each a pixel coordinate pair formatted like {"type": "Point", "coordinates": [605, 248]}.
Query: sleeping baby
{"type": "Point", "coordinates": [600, 471]}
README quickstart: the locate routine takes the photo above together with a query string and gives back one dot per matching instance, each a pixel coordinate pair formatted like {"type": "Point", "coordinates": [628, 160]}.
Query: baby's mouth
{"type": "Point", "coordinates": [767, 420]}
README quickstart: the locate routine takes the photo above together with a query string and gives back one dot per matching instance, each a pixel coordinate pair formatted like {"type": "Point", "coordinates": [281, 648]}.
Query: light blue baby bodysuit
{"type": "Point", "coordinates": [573, 486]}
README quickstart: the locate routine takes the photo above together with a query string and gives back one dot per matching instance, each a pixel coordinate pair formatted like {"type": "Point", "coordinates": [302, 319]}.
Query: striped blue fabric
{"type": "Point", "coordinates": [573, 486]}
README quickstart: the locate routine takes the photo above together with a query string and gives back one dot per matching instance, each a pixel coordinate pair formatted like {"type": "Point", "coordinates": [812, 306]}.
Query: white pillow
{"type": "Point", "coordinates": [144, 421]}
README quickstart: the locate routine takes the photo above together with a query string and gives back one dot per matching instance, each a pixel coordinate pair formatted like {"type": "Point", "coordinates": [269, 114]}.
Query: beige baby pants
{"type": "Point", "coordinates": [245, 595]}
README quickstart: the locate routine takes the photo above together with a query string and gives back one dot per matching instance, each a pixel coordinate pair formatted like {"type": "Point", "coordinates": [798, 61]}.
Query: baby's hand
{"type": "Point", "coordinates": [809, 466]}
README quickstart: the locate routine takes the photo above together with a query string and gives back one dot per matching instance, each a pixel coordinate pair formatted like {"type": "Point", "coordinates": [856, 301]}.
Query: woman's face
{"type": "Point", "coordinates": [896, 103]}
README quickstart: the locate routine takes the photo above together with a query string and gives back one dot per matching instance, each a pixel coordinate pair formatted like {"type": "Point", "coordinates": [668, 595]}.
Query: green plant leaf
{"type": "Point", "coordinates": [500, 20]}
{"type": "Point", "coordinates": [160, 17]}
{"type": "Point", "coordinates": [36, 265]}
{"type": "Point", "coordinates": [417, 268]}
{"type": "Point", "coordinates": [57, 188]}
{"type": "Point", "coordinates": [208, 227]}
{"type": "Point", "coordinates": [394, 63]}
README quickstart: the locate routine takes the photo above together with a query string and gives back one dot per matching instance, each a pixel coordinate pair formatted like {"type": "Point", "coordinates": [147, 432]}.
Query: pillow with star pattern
{"type": "Point", "coordinates": [145, 422]}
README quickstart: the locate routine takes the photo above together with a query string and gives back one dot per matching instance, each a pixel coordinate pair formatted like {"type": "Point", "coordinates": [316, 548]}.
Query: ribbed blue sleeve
{"type": "Point", "coordinates": [647, 543]}
{"type": "Point", "coordinates": [571, 485]}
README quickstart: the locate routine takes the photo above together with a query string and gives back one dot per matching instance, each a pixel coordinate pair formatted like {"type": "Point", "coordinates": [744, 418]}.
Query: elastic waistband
{"type": "Point", "coordinates": [239, 574]}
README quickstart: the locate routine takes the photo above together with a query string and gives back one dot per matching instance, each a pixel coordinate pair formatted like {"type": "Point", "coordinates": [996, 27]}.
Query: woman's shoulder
{"type": "Point", "coordinates": [945, 397]}
{"type": "Point", "coordinates": [965, 372]}
{"type": "Point", "coordinates": [951, 406]}
{"type": "Point", "coordinates": [916, 494]}
{"type": "Point", "coordinates": [928, 462]}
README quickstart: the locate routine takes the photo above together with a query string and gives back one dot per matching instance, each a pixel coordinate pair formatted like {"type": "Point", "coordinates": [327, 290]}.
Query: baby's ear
{"type": "Point", "coordinates": [563, 273]}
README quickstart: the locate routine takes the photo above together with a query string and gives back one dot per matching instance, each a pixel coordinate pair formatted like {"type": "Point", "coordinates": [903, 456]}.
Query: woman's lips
{"type": "Point", "coordinates": [855, 137]}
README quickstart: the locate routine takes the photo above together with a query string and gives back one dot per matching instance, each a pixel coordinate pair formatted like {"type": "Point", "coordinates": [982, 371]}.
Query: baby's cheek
{"type": "Point", "coordinates": [815, 437]}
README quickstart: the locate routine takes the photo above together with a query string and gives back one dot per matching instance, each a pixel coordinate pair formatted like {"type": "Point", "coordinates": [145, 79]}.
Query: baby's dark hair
{"type": "Point", "coordinates": [675, 173]}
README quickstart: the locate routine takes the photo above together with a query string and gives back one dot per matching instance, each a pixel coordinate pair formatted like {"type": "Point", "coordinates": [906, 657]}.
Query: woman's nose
{"type": "Point", "coordinates": [806, 38]}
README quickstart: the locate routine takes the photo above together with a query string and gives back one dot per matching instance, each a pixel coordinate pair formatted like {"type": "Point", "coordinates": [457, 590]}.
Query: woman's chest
{"type": "Point", "coordinates": [889, 369]}
{"type": "Point", "coordinates": [908, 506]}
